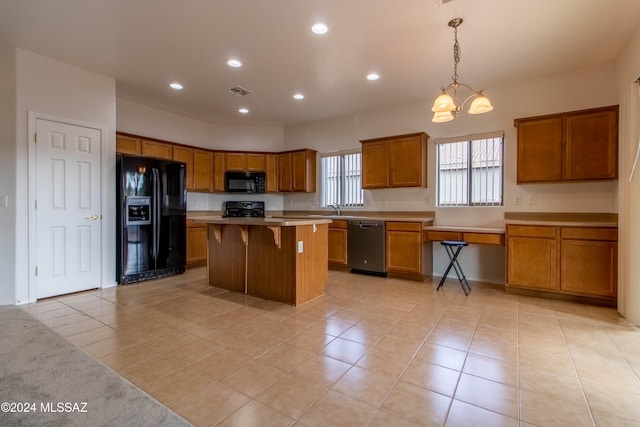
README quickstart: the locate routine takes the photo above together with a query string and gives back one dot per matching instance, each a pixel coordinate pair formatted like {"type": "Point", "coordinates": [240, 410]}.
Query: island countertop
{"type": "Point", "coordinates": [269, 222]}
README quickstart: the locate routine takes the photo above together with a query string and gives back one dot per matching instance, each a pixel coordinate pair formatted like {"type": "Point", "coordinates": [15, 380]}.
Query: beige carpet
{"type": "Point", "coordinates": [63, 386]}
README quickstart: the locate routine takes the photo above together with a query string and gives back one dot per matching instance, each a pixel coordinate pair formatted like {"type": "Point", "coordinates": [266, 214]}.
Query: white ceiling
{"type": "Point", "coordinates": [146, 44]}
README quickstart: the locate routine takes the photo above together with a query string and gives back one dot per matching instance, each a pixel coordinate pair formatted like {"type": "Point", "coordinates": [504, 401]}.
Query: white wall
{"type": "Point", "coordinates": [575, 90]}
{"type": "Point", "coordinates": [7, 173]}
{"type": "Point", "coordinates": [627, 71]}
{"type": "Point", "coordinates": [50, 87]}
{"type": "Point", "coordinates": [150, 122]}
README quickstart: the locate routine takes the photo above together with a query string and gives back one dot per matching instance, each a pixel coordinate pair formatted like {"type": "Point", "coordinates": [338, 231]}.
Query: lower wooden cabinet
{"type": "Point", "coordinates": [569, 260]}
{"type": "Point", "coordinates": [404, 249]}
{"type": "Point", "coordinates": [196, 243]}
{"type": "Point", "coordinates": [338, 244]}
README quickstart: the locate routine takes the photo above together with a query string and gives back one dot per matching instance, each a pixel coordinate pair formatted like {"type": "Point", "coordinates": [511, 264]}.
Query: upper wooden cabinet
{"type": "Point", "coordinates": [185, 155]}
{"type": "Point", "coordinates": [574, 146]}
{"type": "Point", "coordinates": [218, 171]}
{"type": "Point", "coordinates": [395, 161]}
{"type": "Point", "coordinates": [159, 150]}
{"type": "Point", "coordinates": [202, 170]}
{"type": "Point", "coordinates": [245, 162]}
{"type": "Point", "coordinates": [128, 145]}
{"type": "Point", "coordinates": [297, 171]}
{"type": "Point", "coordinates": [271, 170]}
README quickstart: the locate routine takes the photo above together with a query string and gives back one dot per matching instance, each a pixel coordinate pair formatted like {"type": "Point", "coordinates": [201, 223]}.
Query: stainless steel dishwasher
{"type": "Point", "coordinates": [366, 246]}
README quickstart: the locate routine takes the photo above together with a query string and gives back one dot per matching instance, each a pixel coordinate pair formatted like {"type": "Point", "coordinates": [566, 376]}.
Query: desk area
{"type": "Point", "coordinates": [471, 235]}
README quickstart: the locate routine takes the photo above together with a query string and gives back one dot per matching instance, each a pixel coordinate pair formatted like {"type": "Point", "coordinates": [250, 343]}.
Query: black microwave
{"type": "Point", "coordinates": [244, 182]}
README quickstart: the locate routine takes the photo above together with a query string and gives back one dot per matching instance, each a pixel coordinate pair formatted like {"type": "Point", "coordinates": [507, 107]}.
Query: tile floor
{"type": "Point", "coordinates": [372, 351]}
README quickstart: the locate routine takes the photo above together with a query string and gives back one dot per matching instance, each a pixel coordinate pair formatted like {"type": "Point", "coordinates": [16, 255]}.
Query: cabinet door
{"type": "Point", "coordinates": [404, 251]}
{"type": "Point", "coordinates": [196, 245]}
{"type": "Point", "coordinates": [540, 150]}
{"type": "Point", "coordinates": [128, 145]}
{"type": "Point", "coordinates": [185, 155]}
{"type": "Point", "coordinates": [271, 169]}
{"type": "Point", "coordinates": [406, 162]}
{"type": "Point", "coordinates": [589, 267]}
{"type": "Point", "coordinates": [375, 164]}
{"type": "Point", "coordinates": [303, 171]}
{"type": "Point", "coordinates": [158, 150]}
{"type": "Point", "coordinates": [218, 171]}
{"type": "Point", "coordinates": [532, 262]}
{"type": "Point", "coordinates": [591, 146]}
{"type": "Point", "coordinates": [236, 161]}
{"type": "Point", "coordinates": [202, 170]}
{"type": "Point", "coordinates": [255, 162]}
{"type": "Point", "coordinates": [284, 172]}
{"type": "Point", "coordinates": [338, 246]}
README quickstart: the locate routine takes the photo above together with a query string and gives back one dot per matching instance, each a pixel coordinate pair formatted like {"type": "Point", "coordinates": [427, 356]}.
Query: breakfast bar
{"type": "Point", "coordinates": [276, 259]}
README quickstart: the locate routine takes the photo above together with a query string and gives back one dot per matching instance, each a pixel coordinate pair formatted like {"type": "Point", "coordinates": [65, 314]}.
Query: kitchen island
{"type": "Point", "coordinates": [277, 259]}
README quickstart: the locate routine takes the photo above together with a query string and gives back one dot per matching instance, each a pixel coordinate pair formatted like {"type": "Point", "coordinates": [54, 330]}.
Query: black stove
{"type": "Point", "coordinates": [244, 210]}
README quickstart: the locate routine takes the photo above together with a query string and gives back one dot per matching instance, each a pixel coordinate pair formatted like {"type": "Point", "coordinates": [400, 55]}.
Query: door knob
{"type": "Point", "coordinates": [93, 217]}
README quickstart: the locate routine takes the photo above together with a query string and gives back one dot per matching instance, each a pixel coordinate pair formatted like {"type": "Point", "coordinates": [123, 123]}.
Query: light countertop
{"type": "Point", "coordinates": [271, 222]}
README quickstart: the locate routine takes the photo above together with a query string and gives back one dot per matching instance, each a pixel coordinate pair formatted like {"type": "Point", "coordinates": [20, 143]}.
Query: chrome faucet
{"type": "Point", "coordinates": [336, 207]}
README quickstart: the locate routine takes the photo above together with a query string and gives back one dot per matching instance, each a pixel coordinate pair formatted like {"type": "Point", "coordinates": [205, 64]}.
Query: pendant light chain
{"type": "Point", "coordinates": [456, 55]}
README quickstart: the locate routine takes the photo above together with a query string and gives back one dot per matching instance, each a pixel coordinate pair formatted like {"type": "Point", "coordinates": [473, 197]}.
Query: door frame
{"type": "Point", "coordinates": [32, 191]}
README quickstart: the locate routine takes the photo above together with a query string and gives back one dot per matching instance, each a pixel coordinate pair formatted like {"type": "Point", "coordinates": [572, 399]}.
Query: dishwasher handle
{"type": "Point", "coordinates": [365, 224]}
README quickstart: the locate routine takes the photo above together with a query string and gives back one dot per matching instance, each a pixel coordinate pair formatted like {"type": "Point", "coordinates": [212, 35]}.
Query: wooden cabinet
{"type": "Point", "coordinates": [285, 182]}
{"type": "Point", "coordinates": [574, 146]}
{"type": "Point", "coordinates": [375, 160]}
{"type": "Point", "coordinates": [395, 161]}
{"type": "Point", "coordinates": [404, 249]}
{"type": "Point", "coordinates": [569, 260]}
{"type": "Point", "coordinates": [218, 171]}
{"type": "Point", "coordinates": [271, 170]}
{"type": "Point", "coordinates": [297, 171]}
{"type": "Point", "coordinates": [158, 150]}
{"type": "Point", "coordinates": [196, 243]}
{"type": "Point", "coordinates": [128, 145]}
{"type": "Point", "coordinates": [185, 155]}
{"type": "Point", "coordinates": [338, 243]}
{"type": "Point", "coordinates": [245, 162]}
{"type": "Point", "coordinates": [202, 170]}
{"type": "Point", "coordinates": [532, 257]}
{"type": "Point", "coordinates": [588, 261]}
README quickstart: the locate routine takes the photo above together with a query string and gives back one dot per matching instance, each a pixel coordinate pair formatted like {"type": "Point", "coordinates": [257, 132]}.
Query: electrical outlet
{"type": "Point", "coordinates": [517, 201]}
{"type": "Point", "coordinates": [427, 200]}
{"type": "Point", "coordinates": [4, 201]}
{"type": "Point", "coordinates": [533, 200]}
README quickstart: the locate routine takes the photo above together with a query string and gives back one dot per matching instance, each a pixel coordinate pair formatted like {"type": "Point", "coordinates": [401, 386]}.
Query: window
{"type": "Point", "coordinates": [470, 170]}
{"type": "Point", "coordinates": [342, 179]}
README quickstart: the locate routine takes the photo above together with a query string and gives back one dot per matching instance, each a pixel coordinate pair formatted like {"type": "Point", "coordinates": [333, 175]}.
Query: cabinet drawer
{"type": "Point", "coordinates": [532, 231]}
{"type": "Point", "coordinates": [589, 233]}
{"type": "Point", "coordinates": [338, 223]}
{"type": "Point", "coordinates": [484, 238]}
{"type": "Point", "coordinates": [442, 235]}
{"type": "Point", "coordinates": [404, 226]}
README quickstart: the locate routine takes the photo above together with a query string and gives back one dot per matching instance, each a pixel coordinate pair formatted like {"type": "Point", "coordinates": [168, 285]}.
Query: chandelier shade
{"type": "Point", "coordinates": [445, 107]}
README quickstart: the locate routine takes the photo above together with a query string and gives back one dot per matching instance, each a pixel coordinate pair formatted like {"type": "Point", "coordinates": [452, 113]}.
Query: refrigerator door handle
{"type": "Point", "coordinates": [156, 214]}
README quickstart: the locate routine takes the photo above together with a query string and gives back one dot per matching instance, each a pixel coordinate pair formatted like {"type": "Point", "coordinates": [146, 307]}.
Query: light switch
{"type": "Point", "coordinates": [300, 247]}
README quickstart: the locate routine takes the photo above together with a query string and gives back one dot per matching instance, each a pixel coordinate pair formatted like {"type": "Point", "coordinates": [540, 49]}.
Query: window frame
{"type": "Point", "coordinates": [469, 168]}
{"type": "Point", "coordinates": [342, 177]}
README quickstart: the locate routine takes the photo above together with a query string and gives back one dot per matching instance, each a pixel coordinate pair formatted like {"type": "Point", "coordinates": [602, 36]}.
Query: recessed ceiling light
{"type": "Point", "coordinates": [234, 63]}
{"type": "Point", "coordinates": [243, 110]}
{"type": "Point", "coordinates": [373, 76]}
{"type": "Point", "coordinates": [319, 28]}
{"type": "Point", "coordinates": [298, 96]}
{"type": "Point", "coordinates": [176, 86]}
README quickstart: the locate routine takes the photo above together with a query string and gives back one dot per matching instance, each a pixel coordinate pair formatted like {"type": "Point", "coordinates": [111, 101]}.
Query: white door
{"type": "Point", "coordinates": [68, 213]}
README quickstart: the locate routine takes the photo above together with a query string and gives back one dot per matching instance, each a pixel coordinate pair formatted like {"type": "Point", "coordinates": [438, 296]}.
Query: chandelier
{"type": "Point", "coordinates": [444, 107]}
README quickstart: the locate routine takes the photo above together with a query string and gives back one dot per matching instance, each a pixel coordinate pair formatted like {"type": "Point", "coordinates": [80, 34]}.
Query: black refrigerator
{"type": "Point", "coordinates": [152, 218]}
